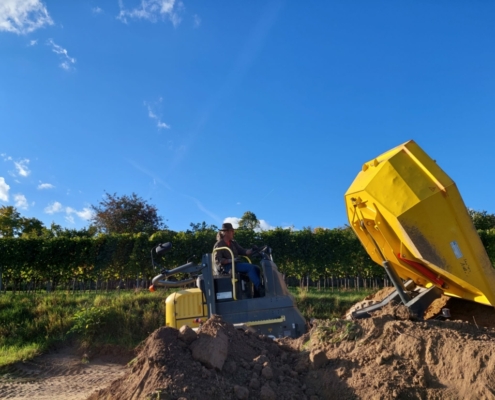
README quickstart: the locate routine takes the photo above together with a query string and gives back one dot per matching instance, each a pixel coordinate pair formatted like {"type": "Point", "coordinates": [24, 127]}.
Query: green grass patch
{"type": "Point", "coordinates": [31, 323]}
{"type": "Point", "coordinates": [326, 304]}
{"type": "Point", "coordinates": [336, 331]}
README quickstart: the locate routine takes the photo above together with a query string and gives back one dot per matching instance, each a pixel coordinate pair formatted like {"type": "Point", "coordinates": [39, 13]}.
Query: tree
{"type": "Point", "coordinates": [126, 214]}
{"type": "Point", "coordinates": [482, 220]}
{"type": "Point", "coordinates": [31, 227]}
{"type": "Point", "coordinates": [201, 227]}
{"type": "Point", "coordinates": [249, 221]}
{"type": "Point", "coordinates": [10, 221]}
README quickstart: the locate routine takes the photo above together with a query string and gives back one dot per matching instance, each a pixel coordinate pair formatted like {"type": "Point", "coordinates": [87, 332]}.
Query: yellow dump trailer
{"type": "Point", "coordinates": [408, 213]}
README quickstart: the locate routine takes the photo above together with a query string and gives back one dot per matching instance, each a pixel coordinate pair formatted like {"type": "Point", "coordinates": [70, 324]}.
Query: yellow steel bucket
{"type": "Point", "coordinates": [405, 209]}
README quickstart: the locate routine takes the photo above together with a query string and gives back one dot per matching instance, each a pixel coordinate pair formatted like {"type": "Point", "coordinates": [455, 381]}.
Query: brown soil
{"type": "Point", "coordinates": [62, 374]}
{"type": "Point", "coordinates": [387, 356]}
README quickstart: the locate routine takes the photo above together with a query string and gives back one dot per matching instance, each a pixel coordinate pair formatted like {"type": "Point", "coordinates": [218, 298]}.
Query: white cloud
{"type": "Point", "coordinates": [97, 10]}
{"type": "Point", "coordinates": [159, 123]}
{"type": "Point", "coordinates": [53, 208]}
{"type": "Point", "coordinates": [152, 10]}
{"type": "Point", "coordinates": [21, 201]}
{"type": "Point", "coordinates": [23, 16]}
{"type": "Point", "coordinates": [233, 220]}
{"type": "Point", "coordinates": [22, 167]}
{"type": "Point", "coordinates": [197, 20]}
{"type": "Point", "coordinates": [162, 125]}
{"type": "Point", "coordinates": [4, 190]}
{"type": "Point", "coordinates": [67, 62]}
{"type": "Point", "coordinates": [85, 214]}
{"type": "Point", "coordinates": [42, 186]}
{"type": "Point", "coordinates": [33, 42]}
{"type": "Point", "coordinates": [70, 219]}
{"type": "Point", "coordinates": [265, 226]}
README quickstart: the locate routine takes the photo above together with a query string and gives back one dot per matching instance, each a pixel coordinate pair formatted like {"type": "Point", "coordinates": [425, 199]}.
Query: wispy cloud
{"type": "Point", "coordinates": [97, 10]}
{"type": "Point", "coordinates": [4, 190]}
{"type": "Point", "coordinates": [23, 16]}
{"type": "Point", "coordinates": [151, 113]}
{"type": "Point", "coordinates": [152, 10]}
{"type": "Point", "coordinates": [203, 208]}
{"type": "Point", "coordinates": [56, 207]}
{"type": "Point", "coordinates": [67, 62]}
{"type": "Point", "coordinates": [22, 167]}
{"type": "Point", "coordinates": [53, 208]}
{"type": "Point", "coordinates": [42, 186]}
{"type": "Point", "coordinates": [21, 201]}
{"type": "Point", "coordinates": [85, 213]}
{"type": "Point", "coordinates": [197, 20]}
{"type": "Point", "coordinates": [33, 42]}
{"type": "Point", "coordinates": [156, 178]}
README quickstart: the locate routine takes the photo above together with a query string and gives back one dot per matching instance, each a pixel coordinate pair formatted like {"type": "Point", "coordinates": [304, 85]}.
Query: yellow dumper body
{"type": "Point", "coordinates": [405, 209]}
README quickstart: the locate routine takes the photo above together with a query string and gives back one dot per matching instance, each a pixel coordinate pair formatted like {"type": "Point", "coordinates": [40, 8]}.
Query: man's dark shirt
{"type": "Point", "coordinates": [225, 254]}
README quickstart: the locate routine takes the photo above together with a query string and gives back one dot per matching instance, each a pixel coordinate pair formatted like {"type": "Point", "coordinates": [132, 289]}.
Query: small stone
{"type": "Point", "coordinates": [267, 393]}
{"type": "Point", "coordinates": [267, 373]}
{"type": "Point", "coordinates": [318, 358]}
{"type": "Point", "coordinates": [187, 334]}
{"type": "Point", "coordinates": [261, 359]}
{"type": "Point", "coordinates": [254, 383]}
{"type": "Point", "coordinates": [241, 392]}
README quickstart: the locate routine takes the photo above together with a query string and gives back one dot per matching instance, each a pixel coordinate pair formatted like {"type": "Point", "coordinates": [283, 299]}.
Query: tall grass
{"type": "Point", "coordinates": [31, 323]}
{"type": "Point", "coordinates": [326, 304]}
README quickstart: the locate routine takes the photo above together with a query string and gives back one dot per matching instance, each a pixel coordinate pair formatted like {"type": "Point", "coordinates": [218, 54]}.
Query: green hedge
{"type": "Point", "coordinates": [305, 253]}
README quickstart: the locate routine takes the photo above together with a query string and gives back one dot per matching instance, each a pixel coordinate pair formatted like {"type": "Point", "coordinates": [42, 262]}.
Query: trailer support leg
{"type": "Point", "coordinates": [396, 281]}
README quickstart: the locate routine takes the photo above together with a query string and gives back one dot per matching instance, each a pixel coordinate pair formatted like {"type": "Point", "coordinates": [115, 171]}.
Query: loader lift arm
{"type": "Point", "coordinates": [162, 279]}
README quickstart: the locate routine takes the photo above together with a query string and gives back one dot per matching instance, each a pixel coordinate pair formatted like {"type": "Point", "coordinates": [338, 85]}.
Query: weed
{"type": "Point", "coordinates": [87, 322]}
{"type": "Point", "coordinates": [336, 331]}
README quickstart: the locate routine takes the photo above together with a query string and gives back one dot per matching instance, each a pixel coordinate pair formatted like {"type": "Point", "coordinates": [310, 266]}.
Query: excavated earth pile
{"type": "Point", "coordinates": [389, 356]}
{"type": "Point", "coordinates": [218, 363]}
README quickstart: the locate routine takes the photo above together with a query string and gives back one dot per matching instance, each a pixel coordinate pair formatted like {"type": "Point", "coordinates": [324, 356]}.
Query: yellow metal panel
{"type": "Point", "coordinates": [405, 208]}
{"type": "Point", "coordinates": [184, 307]}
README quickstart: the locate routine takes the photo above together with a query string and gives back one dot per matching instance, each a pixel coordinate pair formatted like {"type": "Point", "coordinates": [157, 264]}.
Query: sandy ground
{"type": "Point", "coordinates": [388, 356]}
{"type": "Point", "coordinates": [60, 375]}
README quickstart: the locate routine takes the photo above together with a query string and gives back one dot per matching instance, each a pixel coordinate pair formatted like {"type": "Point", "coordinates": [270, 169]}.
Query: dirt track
{"type": "Point", "coordinates": [60, 375]}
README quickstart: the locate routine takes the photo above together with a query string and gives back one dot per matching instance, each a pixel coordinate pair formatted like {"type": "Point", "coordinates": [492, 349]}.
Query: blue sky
{"type": "Point", "coordinates": [211, 109]}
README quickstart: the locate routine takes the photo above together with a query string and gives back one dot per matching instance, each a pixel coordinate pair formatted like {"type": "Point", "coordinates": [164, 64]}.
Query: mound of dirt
{"type": "Point", "coordinates": [219, 363]}
{"type": "Point", "coordinates": [385, 357]}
